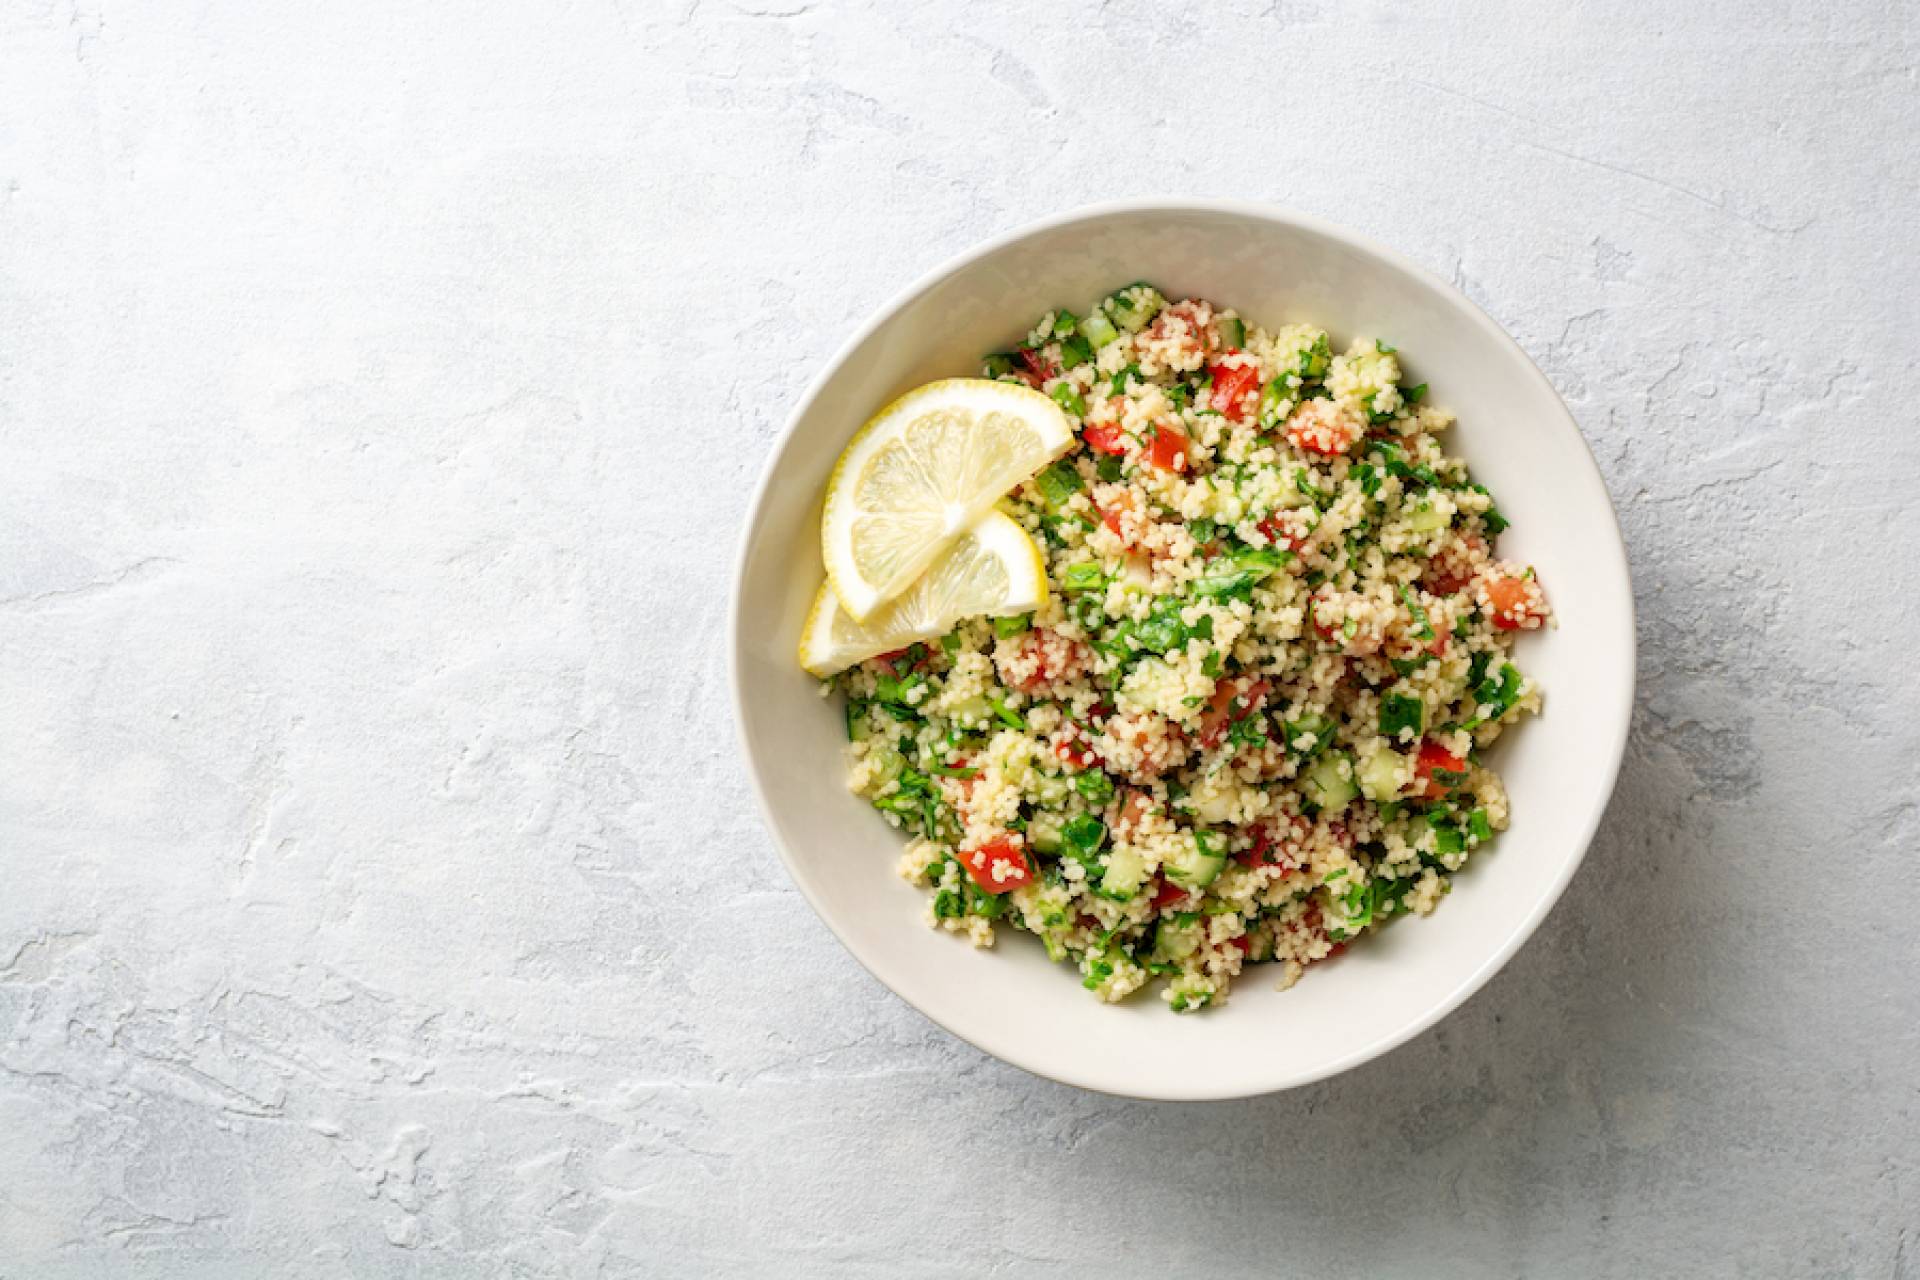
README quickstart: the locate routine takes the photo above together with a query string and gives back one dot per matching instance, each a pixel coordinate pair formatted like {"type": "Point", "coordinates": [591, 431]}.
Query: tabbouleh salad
{"type": "Point", "coordinates": [1245, 727]}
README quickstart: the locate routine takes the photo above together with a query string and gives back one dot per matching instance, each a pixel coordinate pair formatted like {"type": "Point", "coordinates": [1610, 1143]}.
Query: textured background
{"type": "Point", "coordinates": [380, 391]}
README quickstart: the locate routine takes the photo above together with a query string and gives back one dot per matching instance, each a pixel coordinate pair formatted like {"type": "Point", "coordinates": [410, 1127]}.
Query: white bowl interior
{"type": "Point", "coordinates": [1559, 768]}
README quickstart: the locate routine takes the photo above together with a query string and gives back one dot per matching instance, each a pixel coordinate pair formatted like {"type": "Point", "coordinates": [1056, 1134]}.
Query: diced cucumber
{"type": "Point", "coordinates": [1057, 484]}
{"type": "Point", "coordinates": [1126, 872]}
{"type": "Point", "coordinates": [973, 712]}
{"type": "Point", "coordinates": [1133, 307]}
{"type": "Point", "coordinates": [1329, 784]}
{"type": "Point", "coordinates": [1098, 329]}
{"type": "Point", "coordinates": [1043, 834]}
{"type": "Point", "coordinates": [1309, 735]}
{"type": "Point", "coordinates": [888, 765]}
{"type": "Point", "coordinates": [1232, 331]}
{"type": "Point", "coordinates": [997, 365]}
{"type": "Point", "coordinates": [1381, 774]}
{"type": "Point", "coordinates": [1174, 940]}
{"type": "Point", "coordinates": [1427, 517]}
{"type": "Point", "coordinates": [1199, 861]}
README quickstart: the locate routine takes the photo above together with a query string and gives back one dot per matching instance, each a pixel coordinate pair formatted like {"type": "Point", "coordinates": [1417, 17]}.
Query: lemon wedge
{"type": "Point", "coordinates": [993, 570]}
{"type": "Point", "coordinates": [921, 473]}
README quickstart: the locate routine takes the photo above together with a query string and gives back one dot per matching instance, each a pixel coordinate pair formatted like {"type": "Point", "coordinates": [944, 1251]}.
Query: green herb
{"type": "Point", "coordinates": [1085, 612]}
{"type": "Point", "coordinates": [1006, 714]}
{"type": "Point", "coordinates": [1109, 468]}
{"type": "Point", "coordinates": [1478, 826]}
{"type": "Point", "coordinates": [950, 642]}
{"type": "Point", "coordinates": [998, 365]}
{"type": "Point", "coordinates": [1095, 787]}
{"type": "Point", "coordinates": [1421, 627]}
{"type": "Point", "coordinates": [1248, 731]}
{"type": "Point", "coordinates": [1319, 497]}
{"type": "Point", "coordinates": [1119, 384]}
{"type": "Point", "coordinates": [1315, 360]}
{"type": "Point", "coordinates": [1400, 711]}
{"type": "Point", "coordinates": [1008, 627]}
{"type": "Point", "coordinates": [1414, 395]}
{"type": "Point", "coordinates": [1496, 523]}
{"type": "Point", "coordinates": [954, 770]}
{"type": "Point", "coordinates": [1497, 695]}
{"type": "Point", "coordinates": [1233, 577]}
{"type": "Point", "coordinates": [1084, 832]}
{"type": "Point", "coordinates": [896, 693]}
{"type": "Point", "coordinates": [1368, 476]}
{"type": "Point", "coordinates": [1074, 352]}
{"type": "Point", "coordinates": [1083, 576]}
{"type": "Point", "coordinates": [1313, 726]}
{"type": "Point", "coordinates": [1068, 397]}
{"type": "Point", "coordinates": [1272, 396]}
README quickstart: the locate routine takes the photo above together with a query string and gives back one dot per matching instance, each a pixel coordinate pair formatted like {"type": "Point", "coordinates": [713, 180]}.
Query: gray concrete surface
{"type": "Point", "coordinates": [381, 386]}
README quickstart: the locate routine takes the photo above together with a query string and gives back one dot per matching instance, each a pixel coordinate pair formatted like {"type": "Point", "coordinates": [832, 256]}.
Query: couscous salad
{"type": "Point", "coordinates": [1252, 635]}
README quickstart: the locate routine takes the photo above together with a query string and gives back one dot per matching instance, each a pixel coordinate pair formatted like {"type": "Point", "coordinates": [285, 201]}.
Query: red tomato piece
{"type": "Point", "coordinates": [1518, 603]}
{"type": "Point", "coordinates": [1133, 811]}
{"type": "Point", "coordinates": [1170, 449]}
{"type": "Point", "coordinates": [1076, 752]}
{"type": "Point", "coordinates": [1168, 894]}
{"type": "Point", "coordinates": [1233, 386]}
{"type": "Point", "coordinates": [1037, 368]}
{"type": "Point", "coordinates": [1434, 757]}
{"type": "Point", "coordinates": [1104, 437]}
{"type": "Point", "coordinates": [1275, 527]}
{"type": "Point", "coordinates": [1231, 700]}
{"type": "Point", "coordinates": [998, 865]}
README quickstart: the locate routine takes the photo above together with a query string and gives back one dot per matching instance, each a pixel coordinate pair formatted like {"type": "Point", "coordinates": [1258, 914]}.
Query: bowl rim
{"type": "Point", "coordinates": [1007, 1049]}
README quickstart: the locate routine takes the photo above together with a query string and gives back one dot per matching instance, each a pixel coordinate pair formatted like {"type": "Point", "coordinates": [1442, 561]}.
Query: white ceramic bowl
{"type": "Point", "coordinates": [1273, 267]}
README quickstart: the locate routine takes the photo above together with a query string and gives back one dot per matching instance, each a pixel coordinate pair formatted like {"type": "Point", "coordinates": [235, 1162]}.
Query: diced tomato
{"type": "Point", "coordinates": [1170, 449]}
{"type": "Point", "coordinates": [1054, 658]}
{"type": "Point", "coordinates": [1101, 711]}
{"type": "Point", "coordinates": [1231, 700]}
{"type": "Point", "coordinates": [1517, 602]}
{"type": "Point", "coordinates": [1168, 894]}
{"type": "Point", "coordinates": [1318, 426]}
{"type": "Point", "coordinates": [1243, 944]}
{"type": "Point", "coordinates": [998, 865]}
{"type": "Point", "coordinates": [1119, 506]}
{"type": "Point", "coordinates": [1275, 842]}
{"type": "Point", "coordinates": [1316, 609]}
{"type": "Point", "coordinates": [1036, 368]}
{"type": "Point", "coordinates": [1075, 750]}
{"type": "Point", "coordinates": [1233, 386]}
{"type": "Point", "coordinates": [1104, 437]}
{"type": "Point", "coordinates": [1275, 527]}
{"type": "Point", "coordinates": [1434, 757]}
{"type": "Point", "coordinates": [1133, 811]}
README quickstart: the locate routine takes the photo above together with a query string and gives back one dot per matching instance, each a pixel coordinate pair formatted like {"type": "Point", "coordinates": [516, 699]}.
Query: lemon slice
{"type": "Point", "coordinates": [921, 472]}
{"type": "Point", "coordinates": [993, 570]}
